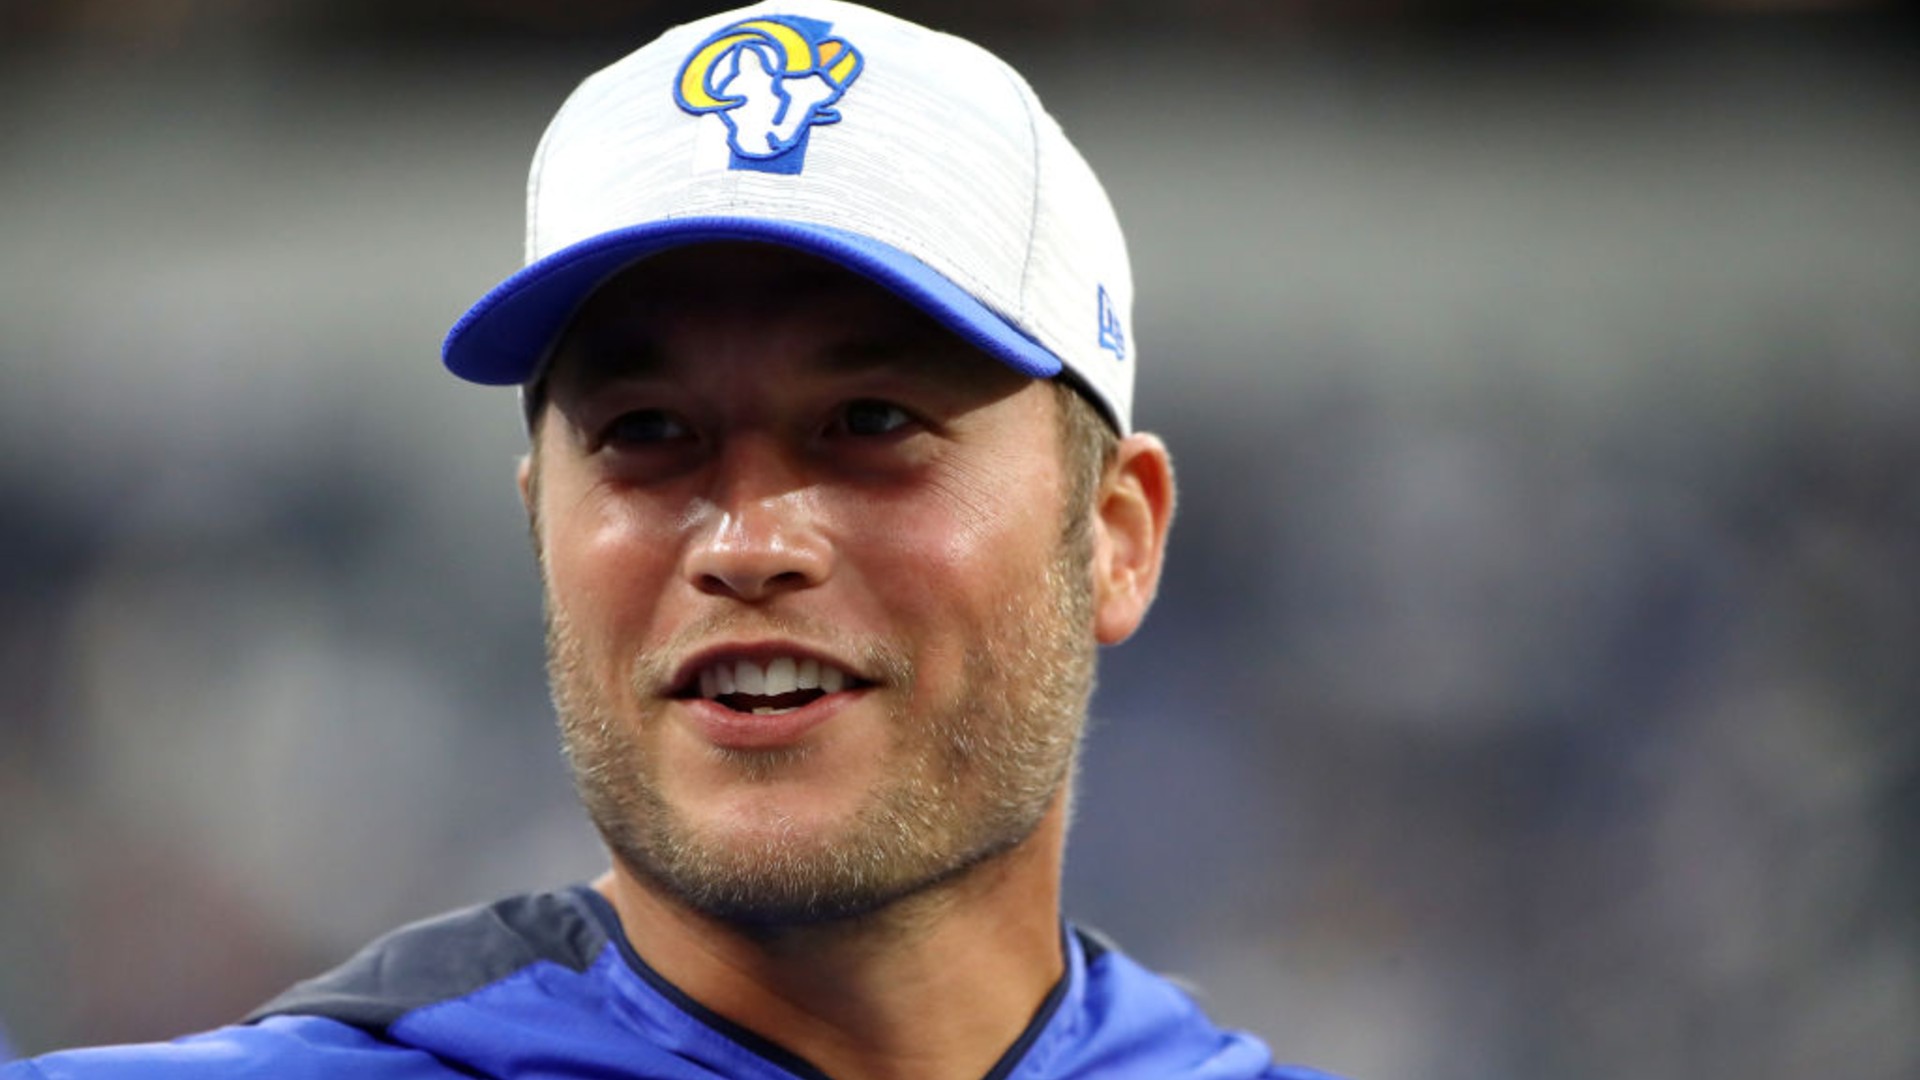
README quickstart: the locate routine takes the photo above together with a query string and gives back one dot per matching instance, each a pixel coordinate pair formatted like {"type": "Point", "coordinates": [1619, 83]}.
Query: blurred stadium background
{"type": "Point", "coordinates": [1533, 692]}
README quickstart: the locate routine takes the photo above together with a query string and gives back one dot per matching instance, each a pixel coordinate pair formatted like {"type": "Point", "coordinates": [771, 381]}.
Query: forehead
{"type": "Point", "coordinates": [678, 308]}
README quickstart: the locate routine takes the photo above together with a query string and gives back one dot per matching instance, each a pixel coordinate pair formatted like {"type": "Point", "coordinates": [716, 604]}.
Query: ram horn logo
{"type": "Point", "coordinates": [772, 80]}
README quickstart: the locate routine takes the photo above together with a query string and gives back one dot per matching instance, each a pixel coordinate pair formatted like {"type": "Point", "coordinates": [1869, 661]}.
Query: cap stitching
{"type": "Point", "coordinates": [539, 176]}
{"type": "Point", "coordinates": [1033, 220]}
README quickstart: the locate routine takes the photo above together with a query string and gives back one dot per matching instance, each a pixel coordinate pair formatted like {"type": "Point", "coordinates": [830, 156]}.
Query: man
{"type": "Point", "coordinates": [824, 349]}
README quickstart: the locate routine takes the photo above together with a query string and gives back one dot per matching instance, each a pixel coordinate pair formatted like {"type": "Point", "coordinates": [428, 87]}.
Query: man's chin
{"type": "Point", "coordinates": [752, 888]}
{"type": "Point", "coordinates": [787, 868]}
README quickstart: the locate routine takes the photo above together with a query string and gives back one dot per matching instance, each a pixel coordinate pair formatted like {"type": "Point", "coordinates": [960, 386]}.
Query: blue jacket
{"type": "Point", "coordinates": [545, 987]}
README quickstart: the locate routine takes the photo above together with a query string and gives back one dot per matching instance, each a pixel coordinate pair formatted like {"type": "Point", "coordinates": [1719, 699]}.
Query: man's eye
{"type": "Point", "coordinates": [644, 426]}
{"type": "Point", "coordinates": [874, 418]}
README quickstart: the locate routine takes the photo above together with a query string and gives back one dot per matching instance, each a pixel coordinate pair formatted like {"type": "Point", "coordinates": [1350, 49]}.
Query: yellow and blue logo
{"type": "Point", "coordinates": [772, 79]}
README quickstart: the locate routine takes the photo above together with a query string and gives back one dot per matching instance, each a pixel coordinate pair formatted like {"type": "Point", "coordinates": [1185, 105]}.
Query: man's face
{"type": "Point", "coordinates": [819, 620]}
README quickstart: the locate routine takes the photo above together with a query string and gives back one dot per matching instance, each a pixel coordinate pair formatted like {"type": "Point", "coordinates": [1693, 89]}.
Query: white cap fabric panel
{"type": "Point", "coordinates": [1079, 255]}
{"type": "Point", "coordinates": [936, 159]}
{"type": "Point", "coordinates": [939, 150]}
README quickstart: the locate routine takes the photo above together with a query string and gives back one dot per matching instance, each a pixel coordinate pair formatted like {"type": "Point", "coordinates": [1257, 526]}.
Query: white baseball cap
{"type": "Point", "coordinates": [910, 156]}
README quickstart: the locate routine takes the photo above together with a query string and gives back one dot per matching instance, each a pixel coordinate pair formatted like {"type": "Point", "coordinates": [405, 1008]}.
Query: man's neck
{"type": "Point", "coordinates": [936, 987]}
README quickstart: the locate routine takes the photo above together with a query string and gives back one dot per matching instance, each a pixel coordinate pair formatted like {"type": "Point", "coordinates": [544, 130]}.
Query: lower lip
{"type": "Point", "coordinates": [730, 730]}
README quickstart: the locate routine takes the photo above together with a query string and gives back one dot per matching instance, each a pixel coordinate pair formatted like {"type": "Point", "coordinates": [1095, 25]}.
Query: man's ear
{"type": "Point", "coordinates": [526, 477]}
{"type": "Point", "coordinates": [1132, 512]}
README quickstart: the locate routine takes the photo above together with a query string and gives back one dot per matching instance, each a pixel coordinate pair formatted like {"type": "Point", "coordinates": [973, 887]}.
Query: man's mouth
{"type": "Point", "coordinates": [768, 687]}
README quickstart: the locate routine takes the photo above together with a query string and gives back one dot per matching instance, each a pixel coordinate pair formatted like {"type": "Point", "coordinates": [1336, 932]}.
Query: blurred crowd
{"type": "Point", "coordinates": [163, 23]}
{"type": "Point", "coordinates": [1532, 690]}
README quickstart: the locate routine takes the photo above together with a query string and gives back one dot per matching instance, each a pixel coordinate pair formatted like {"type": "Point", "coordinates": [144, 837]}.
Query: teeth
{"type": "Point", "coordinates": [782, 678]}
{"type": "Point", "coordinates": [782, 675]}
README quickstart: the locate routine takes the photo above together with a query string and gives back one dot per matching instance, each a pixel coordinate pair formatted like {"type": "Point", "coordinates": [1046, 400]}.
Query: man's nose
{"type": "Point", "coordinates": [758, 535]}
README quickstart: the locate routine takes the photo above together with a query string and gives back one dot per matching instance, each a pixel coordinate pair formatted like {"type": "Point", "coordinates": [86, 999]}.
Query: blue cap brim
{"type": "Point", "coordinates": [504, 338]}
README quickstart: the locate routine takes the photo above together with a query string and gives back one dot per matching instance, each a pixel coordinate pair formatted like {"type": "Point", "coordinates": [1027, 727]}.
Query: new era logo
{"type": "Point", "coordinates": [1113, 336]}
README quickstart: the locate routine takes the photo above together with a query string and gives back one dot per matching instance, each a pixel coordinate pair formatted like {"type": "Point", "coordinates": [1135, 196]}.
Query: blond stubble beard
{"type": "Point", "coordinates": [974, 780]}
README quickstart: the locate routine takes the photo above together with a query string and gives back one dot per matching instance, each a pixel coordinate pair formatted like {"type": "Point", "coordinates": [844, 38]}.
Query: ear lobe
{"type": "Point", "coordinates": [1132, 513]}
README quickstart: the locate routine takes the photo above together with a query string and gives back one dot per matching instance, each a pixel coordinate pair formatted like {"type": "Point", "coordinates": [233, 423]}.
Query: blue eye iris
{"type": "Point", "coordinates": [874, 418]}
{"type": "Point", "coordinates": [646, 426]}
